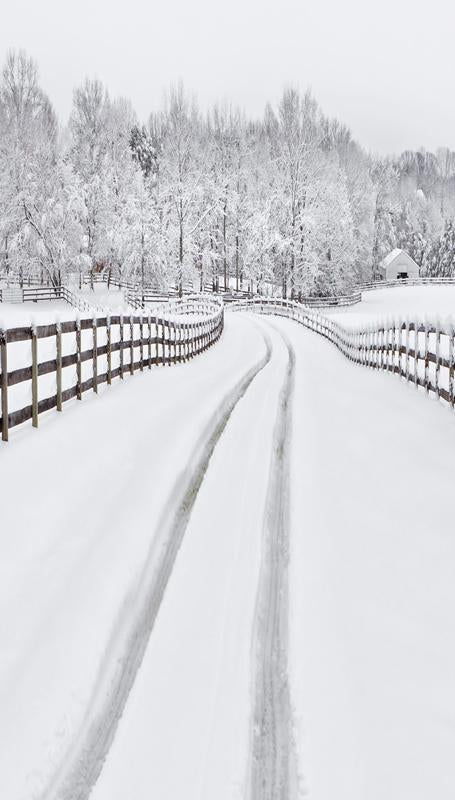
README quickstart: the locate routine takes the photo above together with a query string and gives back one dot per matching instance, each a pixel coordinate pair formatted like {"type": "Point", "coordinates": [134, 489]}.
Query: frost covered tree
{"type": "Point", "coordinates": [212, 200]}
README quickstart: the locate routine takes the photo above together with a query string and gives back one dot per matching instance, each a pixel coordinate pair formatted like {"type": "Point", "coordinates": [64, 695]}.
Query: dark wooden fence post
{"type": "Point", "coordinates": [406, 352]}
{"type": "Point", "coordinates": [169, 348]}
{"type": "Point", "coordinates": [109, 349]}
{"type": "Point", "coordinates": [132, 345]}
{"type": "Point", "coordinates": [121, 346]}
{"type": "Point", "coordinates": [78, 360]}
{"type": "Point", "coordinates": [150, 342]}
{"type": "Point", "coordinates": [157, 339]}
{"type": "Point", "coordinates": [427, 360]}
{"type": "Point", "coordinates": [438, 360]}
{"type": "Point", "coordinates": [451, 364]}
{"type": "Point", "coordinates": [163, 342]}
{"type": "Point", "coordinates": [141, 338]}
{"type": "Point", "coordinates": [95, 355]}
{"type": "Point", "coordinates": [4, 386]}
{"type": "Point", "coordinates": [416, 354]}
{"type": "Point", "coordinates": [34, 377]}
{"type": "Point", "coordinates": [58, 334]}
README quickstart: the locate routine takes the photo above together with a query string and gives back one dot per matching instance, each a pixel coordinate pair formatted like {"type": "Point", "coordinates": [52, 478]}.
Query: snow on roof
{"type": "Point", "coordinates": [392, 256]}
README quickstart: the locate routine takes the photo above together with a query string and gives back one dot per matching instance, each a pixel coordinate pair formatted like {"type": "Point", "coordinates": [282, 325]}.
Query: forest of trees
{"type": "Point", "coordinates": [210, 198]}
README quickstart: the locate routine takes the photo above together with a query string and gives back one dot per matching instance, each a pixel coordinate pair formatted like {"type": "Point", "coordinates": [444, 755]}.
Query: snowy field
{"type": "Point", "coordinates": [415, 302]}
{"type": "Point", "coordinates": [101, 296]}
{"type": "Point", "coordinates": [144, 539]}
{"type": "Point", "coordinates": [16, 315]}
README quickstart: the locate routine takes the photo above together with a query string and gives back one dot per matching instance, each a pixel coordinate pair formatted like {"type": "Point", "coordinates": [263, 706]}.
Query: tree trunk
{"type": "Point", "coordinates": [180, 275]}
{"type": "Point", "coordinates": [225, 246]}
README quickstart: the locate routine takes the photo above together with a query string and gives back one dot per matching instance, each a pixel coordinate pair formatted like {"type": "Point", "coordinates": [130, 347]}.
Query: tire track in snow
{"type": "Point", "coordinates": [273, 772]}
{"type": "Point", "coordinates": [79, 771]}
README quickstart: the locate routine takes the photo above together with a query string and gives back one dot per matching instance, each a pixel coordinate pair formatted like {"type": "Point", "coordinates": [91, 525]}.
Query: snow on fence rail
{"type": "Point", "coordinates": [420, 352]}
{"type": "Point", "coordinates": [329, 302]}
{"type": "Point", "coordinates": [56, 362]}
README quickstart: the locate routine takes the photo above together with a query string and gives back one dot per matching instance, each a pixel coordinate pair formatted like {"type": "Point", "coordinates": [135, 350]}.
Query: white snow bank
{"type": "Point", "coordinates": [17, 315]}
{"type": "Point", "coordinates": [372, 581]}
{"type": "Point", "coordinates": [416, 302]}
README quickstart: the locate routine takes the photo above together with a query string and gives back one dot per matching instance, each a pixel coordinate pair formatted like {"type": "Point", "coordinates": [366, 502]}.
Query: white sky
{"type": "Point", "coordinates": [385, 68]}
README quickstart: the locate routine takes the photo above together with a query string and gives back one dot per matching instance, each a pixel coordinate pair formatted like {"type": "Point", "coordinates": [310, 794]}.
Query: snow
{"type": "Point", "coordinates": [372, 560]}
{"type": "Point", "coordinates": [101, 296]}
{"type": "Point", "coordinates": [17, 315]}
{"type": "Point", "coordinates": [201, 713]}
{"type": "Point", "coordinates": [95, 481]}
{"type": "Point", "coordinates": [415, 302]}
{"type": "Point", "coordinates": [371, 589]}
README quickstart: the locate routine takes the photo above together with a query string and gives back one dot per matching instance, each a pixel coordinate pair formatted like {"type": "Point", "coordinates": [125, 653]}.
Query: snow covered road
{"type": "Point", "coordinates": [297, 580]}
{"type": "Point", "coordinates": [201, 657]}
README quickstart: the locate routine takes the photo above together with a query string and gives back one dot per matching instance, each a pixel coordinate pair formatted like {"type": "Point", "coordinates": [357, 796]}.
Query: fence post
{"type": "Point", "coordinates": [416, 354]}
{"type": "Point", "coordinates": [406, 357]}
{"type": "Point", "coordinates": [174, 341]}
{"type": "Point", "coordinates": [95, 355]}
{"type": "Point", "coordinates": [34, 377]}
{"type": "Point", "coordinates": [141, 346]}
{"type": "Point", "coordinates": [396, 346]}
{"type": "Point", "coordinates": [58, 334]}
{"type": "Point", "coordinates": [132, 344]}
{"type": "Point", "coordinates": [163, 342]}
{"type": "Point", "coordinates": [78, 360]}
{"type": "Point", "coordinates": [157, 339]}
{"type": "Point", "coordinates": [451, 364]}
{"type": "Point", "coordinates": [109, 349]}
{"type": "Point", "coordinates": [4, 387]}
{"type": "Point", "coordinates": [438, 360]}
{"type": "Point", "coordinates": [149, 343]}
{"type": "Point", "coordinates": [121, 346]}
{"type": "Point", "coordinates": [169, 347]}
{"type": "Point", "coordinates": [427, 360]}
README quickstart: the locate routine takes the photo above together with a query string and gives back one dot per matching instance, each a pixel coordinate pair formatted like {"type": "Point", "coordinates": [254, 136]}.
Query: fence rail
{"type": "Point", "coordinates": [329, 302]}
{"type": "Point", "coordinates": [389, 284]}
{"type": "Point", "coordinates": [80, 355]}
{"type": "Point", "coordinates": [422, 353]}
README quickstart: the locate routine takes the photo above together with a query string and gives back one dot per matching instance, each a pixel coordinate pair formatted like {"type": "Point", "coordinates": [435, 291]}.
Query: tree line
{"type": "Point", "coordinates": [212, 199]}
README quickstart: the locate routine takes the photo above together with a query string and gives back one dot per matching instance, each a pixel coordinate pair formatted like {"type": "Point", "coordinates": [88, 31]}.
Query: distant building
{"type": "Point", "coordinates": [398, 264]}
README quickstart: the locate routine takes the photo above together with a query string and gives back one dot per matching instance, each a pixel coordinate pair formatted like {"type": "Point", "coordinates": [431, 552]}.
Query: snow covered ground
{"type": "Point", "coordinates": [16, 315]}
{"type": "Point", "coordinates": [95, 485]}
{"type": "Point", "coordinates": [417, 302]}
{"type": "Point", "coordinates": [133, 563]}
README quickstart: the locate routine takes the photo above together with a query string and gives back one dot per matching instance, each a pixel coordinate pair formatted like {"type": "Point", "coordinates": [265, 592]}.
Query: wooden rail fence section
{"type": "Point", "coordinates": [136, 342]}
{"type": "Point", "coordinates": [421, 353]}
{"type": "Point", "coordinates": [139, 299]}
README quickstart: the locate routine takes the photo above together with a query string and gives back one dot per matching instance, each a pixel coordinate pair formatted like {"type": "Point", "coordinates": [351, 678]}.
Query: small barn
{"type": "Point", "coordinates": [398, 265]}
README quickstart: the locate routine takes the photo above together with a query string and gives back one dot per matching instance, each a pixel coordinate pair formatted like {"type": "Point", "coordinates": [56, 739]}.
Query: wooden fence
{"type": "Point", "coordinates": [330, 302]}
{"type": "Point", "coordinates": [420, 352]}
{"type": "Point", "coordinates": [390, 284]}
{"type": "Point", "coordinates": [80, 355]}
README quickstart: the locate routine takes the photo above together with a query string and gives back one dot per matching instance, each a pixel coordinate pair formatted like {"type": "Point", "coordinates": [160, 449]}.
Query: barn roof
{"type": "Point", "coordinates": [388, 260]}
